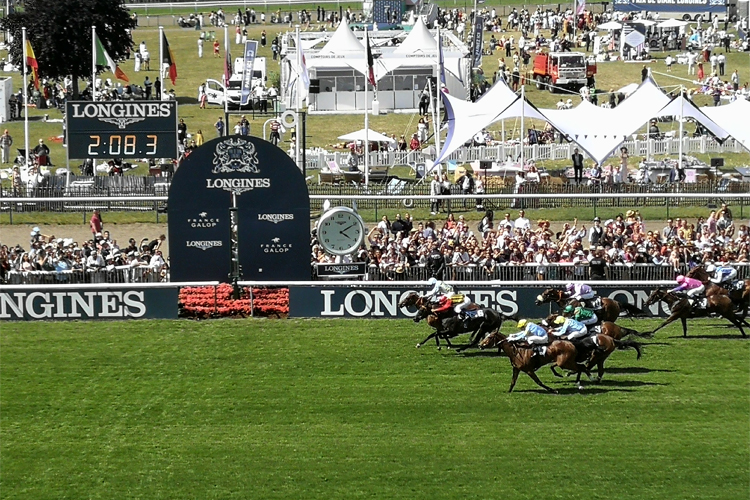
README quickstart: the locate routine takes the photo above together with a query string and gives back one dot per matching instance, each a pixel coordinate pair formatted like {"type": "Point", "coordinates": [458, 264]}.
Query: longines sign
{"type": "Point", "coordinates": [95, 304]}
{"type": "Point", "coordinates": [382, 302]}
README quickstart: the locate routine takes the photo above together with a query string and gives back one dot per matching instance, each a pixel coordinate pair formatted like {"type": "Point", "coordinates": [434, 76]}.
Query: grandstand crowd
{"type": "Point", "coordinates": [458, 249]}
{"type": "Point", "coordinates": [101, 259]}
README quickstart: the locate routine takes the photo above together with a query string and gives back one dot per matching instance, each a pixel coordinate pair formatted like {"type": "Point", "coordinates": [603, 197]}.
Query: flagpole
{"type": "Point", "coordinates": [161, 53]}
{"type": "Point", "coordinates": [682, 112]}
{"type": "Point", "coordinates": [367, 119]}
{"type": "Point", "coordinates": [299, 99]}
{"type": "Point", "coordinates": [439, 92]}
{"type": "Point", "coordinates": [93, 63]}
{"type": "Point", "coordinates": [226, 82]}
{"type": "Point", "coordinates": [25, 98]}
{"type": "Point", "coordinates": [523, 112]}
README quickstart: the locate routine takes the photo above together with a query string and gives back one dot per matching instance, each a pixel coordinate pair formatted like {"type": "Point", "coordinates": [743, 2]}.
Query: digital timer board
{"type": "Point", "coordinates": [121, 129]}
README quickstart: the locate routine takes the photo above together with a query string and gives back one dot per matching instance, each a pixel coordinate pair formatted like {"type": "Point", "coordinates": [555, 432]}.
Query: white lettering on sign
{"type": "Point", "coordinates": [122, 110]}
{"type": "Point", "coordinates": [59, 305]}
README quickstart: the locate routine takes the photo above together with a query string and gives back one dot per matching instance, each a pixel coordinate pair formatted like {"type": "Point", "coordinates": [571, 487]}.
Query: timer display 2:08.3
{"type": "Point", "coordinates": [123, 145]}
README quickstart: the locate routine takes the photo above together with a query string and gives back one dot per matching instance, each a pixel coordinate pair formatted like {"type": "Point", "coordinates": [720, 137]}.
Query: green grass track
{"type": "Point", "coordinates": [308, 409]}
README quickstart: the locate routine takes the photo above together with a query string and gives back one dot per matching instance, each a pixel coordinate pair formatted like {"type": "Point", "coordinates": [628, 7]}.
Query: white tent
{"type": "Point", "coordinates": [343, 49]}
{"type": "Point", "coordinates": [640, 106]}
{"type": "Point", "coordinates": [372, 136]}
{"type": "Point", "coordinates": [680, 106]}
{"type": "Point", "coordinates": [611, 25]}
{"type": "Point", "coordinates": [729, 118]}
{"type": "Point", "coordinates": [672, 23]}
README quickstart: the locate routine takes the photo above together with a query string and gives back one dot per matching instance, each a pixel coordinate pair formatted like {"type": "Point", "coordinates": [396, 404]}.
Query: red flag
{"type": "Point", "coordinates": [227, 67]}
{"type": "Point", "coordinates": [169, 58]}
{"type": "Point", "coordinates": [370, 65]}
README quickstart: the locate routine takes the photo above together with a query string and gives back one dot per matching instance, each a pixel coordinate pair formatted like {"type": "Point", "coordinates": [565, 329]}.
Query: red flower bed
{"type": "Point", "coordinates": [210, 302]}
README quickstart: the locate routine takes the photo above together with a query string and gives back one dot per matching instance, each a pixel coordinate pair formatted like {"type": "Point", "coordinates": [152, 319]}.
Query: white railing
{"type": "Point", "coordinates": [537, 152]}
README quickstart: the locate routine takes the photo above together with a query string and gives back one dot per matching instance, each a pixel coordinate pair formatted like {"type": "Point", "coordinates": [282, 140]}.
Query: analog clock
{"type": "Point", "coordinates": [341, 231]}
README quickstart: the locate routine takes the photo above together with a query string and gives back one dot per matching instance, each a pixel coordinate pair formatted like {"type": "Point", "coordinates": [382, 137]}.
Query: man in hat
{"type": "Point", "coordinates": [596, 233]}
{"type": "Point", "coordinates": [6, 141]}
{"type": "Point", "coordinates": [42, 153]}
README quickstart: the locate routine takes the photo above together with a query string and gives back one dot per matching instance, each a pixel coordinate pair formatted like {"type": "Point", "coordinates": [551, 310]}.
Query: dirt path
{"type": "Point", "coordinates": [18, 234]}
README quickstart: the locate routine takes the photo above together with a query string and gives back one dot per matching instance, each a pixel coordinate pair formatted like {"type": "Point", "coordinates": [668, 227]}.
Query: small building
{"type": "Point", "coordinates": [403, 64]}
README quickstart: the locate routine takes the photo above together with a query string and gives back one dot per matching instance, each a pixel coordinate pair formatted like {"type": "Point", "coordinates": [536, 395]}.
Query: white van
{"type": "Point", "coordinates": [215, 88]}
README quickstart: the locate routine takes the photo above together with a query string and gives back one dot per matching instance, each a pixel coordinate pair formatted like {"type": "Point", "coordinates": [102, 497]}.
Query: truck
{"type": "Point", "coordinates": [563, 70]}
{"type": "Point", "coordinates": [215, 88]}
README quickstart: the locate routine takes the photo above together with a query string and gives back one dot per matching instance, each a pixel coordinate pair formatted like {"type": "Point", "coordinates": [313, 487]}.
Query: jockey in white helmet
{"type": "Point", "coordinates": [721, 274]}
{"type": "Point", "coordinates": [440, 289]}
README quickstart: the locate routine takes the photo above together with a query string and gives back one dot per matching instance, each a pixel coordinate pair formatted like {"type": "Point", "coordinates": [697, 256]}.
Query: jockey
{"type": "Point", "coordinates": [722, 274]}
{"type": "Point", "coordinates": [531, 332]}
{"type": "Point", "coordinates": [582, 315]}
{"type": "Point", "coordinates": [438, 288]}
{"type": "Point", "coordinates": [443, 294]}
{"type": "Point", "coordinates": [570, 328]}
{"type": "Point", "coordinates": [580, 292]}
{"type": "Point", "coordinates": [692, 287]}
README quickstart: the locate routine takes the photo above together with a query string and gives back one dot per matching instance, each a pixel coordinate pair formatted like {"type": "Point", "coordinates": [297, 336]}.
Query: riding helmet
{"type": "Point", "coordinates": [560, 320]}
{"type": "Point", "coordinates": [522, 323]}
{"type": "Point", "coordinates": [568, 309]}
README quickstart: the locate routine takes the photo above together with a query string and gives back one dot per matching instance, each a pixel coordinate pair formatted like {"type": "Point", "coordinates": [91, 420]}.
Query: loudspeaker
{"type": "Point", "coordinates": [717, 162]}
{"type": "Point", "coordinates": [314, 86]}
{"type": "Point", "coordinates": [485, 165]}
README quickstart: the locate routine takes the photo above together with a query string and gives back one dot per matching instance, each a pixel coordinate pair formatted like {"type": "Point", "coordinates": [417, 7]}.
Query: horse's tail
{"type": "Point", "coordinates": [631, 310]}
{"type": "Point", "coordinates": [623, 345]}
{"type": "Point", "coordinates": [630, 331]}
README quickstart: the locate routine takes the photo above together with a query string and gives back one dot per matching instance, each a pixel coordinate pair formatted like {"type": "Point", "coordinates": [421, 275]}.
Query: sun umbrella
{"type": "Point", "coordinates": [611, 25]}
{"type": "Point", "coordinates": [672, 23]}
{"type": "Point", "coordinates": [372, 136]}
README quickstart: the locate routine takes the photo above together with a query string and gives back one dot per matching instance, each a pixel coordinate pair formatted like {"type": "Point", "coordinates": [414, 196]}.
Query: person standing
{"type": "Point", "coordinates": [199, 138]}
{"type": "Point", "coordinates": [263, 39]}
{"type": "Point", "coordinates": [216, 48]}
{"type": "Point", "coordinates": [275, 129]}
{"type": "Point", "coordinates": [202, 96]}
{"type": "Point", "coordinates": [181, 131]}
{"type": "Point", "coordinates": [623, 174]}
{"type": "Point", "coordinates": [220, 127]}
{"type": "Point", "coordinates": [200, 45]}
{"type": "Point", "coordinates": [735, 81]}
{"type": "Point", "coordinates": [691, 59]}
{"type": "Point", "coordinates": [148, 86]}
{"type": "Point", "coordinates": [6, 141]}
{"type": "Point", "coordinates": [157, 88]}
{"type": "Point", "coordinates": [722, 60]}
{"type": "Point", "coordinates": [435, 189]}
{"type": "Point", "coordinates": [577, 159]}
{"type": "Point", "coordinates": [96, 224]}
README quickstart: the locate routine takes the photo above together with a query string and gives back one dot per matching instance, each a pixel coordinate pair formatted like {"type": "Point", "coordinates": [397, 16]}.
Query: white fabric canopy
{"type": "Point", "coordinates": [680, 106]}
{"type": "Point", "coordinates": [639, 107]}
{"type": "Point", "coordinates": [611, 25]}
{"type": "Point", "coordinates": [418, 41]}
{"type": "Point", "coordinates": [343, 40]}
{"type": "Point", "coordinates": [372, 136]}
{"type": "Point", "coordinates": [672, 23]}
{"type": "Point", "coordinates": [732, 119]}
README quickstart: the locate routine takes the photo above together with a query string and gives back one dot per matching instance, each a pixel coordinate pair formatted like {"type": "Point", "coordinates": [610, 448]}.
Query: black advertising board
{"type": "Point", "coordinates": [341, 270]}
{"type": "Point", "coordinates": [273, 212]}
{"type": "Point", "coordinates": [121, 129]}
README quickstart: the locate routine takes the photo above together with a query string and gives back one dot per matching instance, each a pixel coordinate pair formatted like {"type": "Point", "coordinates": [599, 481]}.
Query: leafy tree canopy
{"type": "Point", "coordinates": [60, 34]}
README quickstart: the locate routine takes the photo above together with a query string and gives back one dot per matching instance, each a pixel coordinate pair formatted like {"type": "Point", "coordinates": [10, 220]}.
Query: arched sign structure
{"type": "Point", "coordinates": [273, 213]}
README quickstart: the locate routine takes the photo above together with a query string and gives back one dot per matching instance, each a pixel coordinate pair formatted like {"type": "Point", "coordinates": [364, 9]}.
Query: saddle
{"type": "Point", "coordinates": [698, 304]}
{"type": "Point", "coordinates": [736, 286]}
{"type": "Point", "coordinates": [594, 304]}
{"type": "Point", "coordinates": [584, 347]}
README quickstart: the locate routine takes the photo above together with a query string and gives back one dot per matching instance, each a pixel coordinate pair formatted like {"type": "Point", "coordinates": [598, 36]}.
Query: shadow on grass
{"type": "Point", "coordinates": [636, 369]}
{"type": "Point", "coordinates": [711, 337]}
{"type": "Point", "coordinates": [492, 353]}
{"type": "Point", "coordinates": [627, 383]}
{"type": "Point", "coordinates": [588, 390]}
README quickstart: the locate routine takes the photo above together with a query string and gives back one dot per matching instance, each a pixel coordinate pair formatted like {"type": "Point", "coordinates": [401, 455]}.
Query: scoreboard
{"type": "Point", "coordinates": [121, 129]}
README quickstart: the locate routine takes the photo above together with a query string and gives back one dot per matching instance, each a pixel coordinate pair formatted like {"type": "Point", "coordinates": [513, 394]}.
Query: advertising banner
{"type": "Point", "coordinates": [73, 304]}
{"type": "Point", "coordinates": [273, 213]}
{"type": "Point", "coordinates": [382, 302]}
{"type": "Point", "coordinates": [697, 6]}
{"type": "Point", "coordinates": [251, 48]}
{"type": "Point", "coordinates": [476, 57]}
{"type": "Point", "coordinates": [341, 270]}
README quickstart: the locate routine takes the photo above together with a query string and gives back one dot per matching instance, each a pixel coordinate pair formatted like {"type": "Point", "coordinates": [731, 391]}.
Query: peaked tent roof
{"type": "Point", "coordinates": [418, 41]}
{"type": "Point", "coordinates": [343, 41]}
{"type": "Point", "coordinates": [728, 117]}
{"type": "Point", "coordinates": [682, 106]}
{"type": "Point", "coordinates": [640, 106]}
{"type": "Point", "coordinates": [466, 118]}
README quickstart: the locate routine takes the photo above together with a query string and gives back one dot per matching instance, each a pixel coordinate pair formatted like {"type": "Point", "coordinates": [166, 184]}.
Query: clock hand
{"type": "Point", "coordinates": [346, 229]}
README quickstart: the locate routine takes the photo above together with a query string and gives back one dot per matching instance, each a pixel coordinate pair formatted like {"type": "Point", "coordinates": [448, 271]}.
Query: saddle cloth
{"type": "Point", "coordinates": [457, 298]}
{"type": "Point", "coordinates": [476, 313]}
{"type": "Point", "coordinates": [595, 303]}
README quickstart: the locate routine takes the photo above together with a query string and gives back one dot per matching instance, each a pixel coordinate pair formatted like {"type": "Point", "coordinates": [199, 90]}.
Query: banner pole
{"type": "Point", "coordinates": [298, 88]}
{"type": "Point", "coordinates": [25, 97]}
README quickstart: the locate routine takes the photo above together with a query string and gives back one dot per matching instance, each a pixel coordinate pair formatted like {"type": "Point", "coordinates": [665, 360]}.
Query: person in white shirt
{"type": "Point", "coordinates": [522, 222]}
{"type": "Point", "coordinates": [721, 61]}
{"type": "Point", "coordinates": [668, 61]}
{"type": "Point", "coordinates": [691, 58]}
{"type": "Point", "coordinates": [95, 261]}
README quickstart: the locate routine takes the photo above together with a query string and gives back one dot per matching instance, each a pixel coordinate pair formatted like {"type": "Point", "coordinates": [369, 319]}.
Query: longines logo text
{"type": "Point", "coordinates": [238, 186]}
{"type": "Point", "coordinates": [41, 305]}
{"type": "Point", "coordinates": [122, 114]}
{"type": "Point", "coordinates": [275, 218]}
{"type": "Point", "coordinates": [205, 245]}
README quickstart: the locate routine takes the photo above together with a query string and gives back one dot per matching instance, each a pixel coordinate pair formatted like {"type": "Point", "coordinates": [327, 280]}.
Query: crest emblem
{"type": "Point", "coordinates": [234, 156]}
{"type": "Point", "coordinates": [121, 123]}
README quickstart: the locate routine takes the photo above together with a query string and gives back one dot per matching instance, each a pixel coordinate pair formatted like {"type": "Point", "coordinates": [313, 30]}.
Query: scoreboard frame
{"type": "Point", "coordinates": [121, 129]}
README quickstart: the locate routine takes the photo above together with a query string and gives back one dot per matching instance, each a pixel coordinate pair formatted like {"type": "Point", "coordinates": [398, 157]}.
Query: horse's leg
{"type": "Point", "coordinates": [554, 372]}
{"type": "Point", "coordinates": [736, 322]}
{"type": "Point", "coordinates": [667, 321]}
{"type": "Point", "coordinates": [539, 382]}
{"type": "Point", "coordinates": [684, 327]}
{"type": "Point", "coordinates": [514, 379]}
{"type": "Point", "coordinates": [430, 336]}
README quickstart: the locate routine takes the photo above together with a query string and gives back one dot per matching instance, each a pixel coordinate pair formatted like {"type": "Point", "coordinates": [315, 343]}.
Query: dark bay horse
{"type": "Point", "coordinates": [740, 296]}
{"type": "Point", "coordinates": [560, 353]}
{"type": "Point", "coordinates": [610, 311]}
{"type": "Point", "coordinates": [680, 308]}
{"type": "Point", "coordinates": [448, 326]}
{"type": "Point", "coordinates": [606, 346]}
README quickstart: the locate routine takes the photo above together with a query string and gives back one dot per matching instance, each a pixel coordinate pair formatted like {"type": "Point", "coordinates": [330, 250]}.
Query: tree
{"type": "Point", "coordinates": [60, 34]}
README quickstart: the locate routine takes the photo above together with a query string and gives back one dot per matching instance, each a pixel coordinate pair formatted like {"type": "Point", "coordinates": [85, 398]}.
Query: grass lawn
{"type": "Point", "coordinates": [349, 409]}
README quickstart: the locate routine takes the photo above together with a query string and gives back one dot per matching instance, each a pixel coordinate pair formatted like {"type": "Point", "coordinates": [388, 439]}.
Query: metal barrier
{"type": "Point", "coordinates": [122, 274]}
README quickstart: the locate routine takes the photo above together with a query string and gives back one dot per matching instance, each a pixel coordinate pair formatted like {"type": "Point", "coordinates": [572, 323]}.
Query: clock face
{"type": "Point", "coordinates": [341, 231]}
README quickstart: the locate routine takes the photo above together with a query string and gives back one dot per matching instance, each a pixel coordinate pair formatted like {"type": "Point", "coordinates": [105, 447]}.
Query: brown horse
{"type": "Point", "coordinates": [606, 346]}
{"type": "Point", "coordinates": [606, 328]}
{"type": "Point", "coordinates": [740, 296]}
{"type": "Point", "coordinates": [610, 310]}
{"type": "Point", "coordinates": [560, 353]}
{"type": "Point", "coordinates": [681, 309]}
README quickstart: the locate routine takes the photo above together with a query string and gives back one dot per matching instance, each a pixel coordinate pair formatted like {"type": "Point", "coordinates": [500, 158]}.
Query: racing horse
{"type": "Point", "coordinates": [608, 328]}
{"type": "Point", "coordinates": [680, 308]}
{"type": "Point", "coordinates": [560, 353]}
{"type": "Point", "coordinates": [481, 321]}
{"type": "Point", "coordinates": [610, 309]}
{"type": "Point", "coordinates": [739, 291]}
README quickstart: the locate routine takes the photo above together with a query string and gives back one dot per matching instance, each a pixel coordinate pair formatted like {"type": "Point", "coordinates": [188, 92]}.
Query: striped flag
{"type": "Point", "coordinates": [370, 65]}
{"type": "Point", "coordinates": [580, 7]}
{"type": "Point", "coordinates": [304, 73]}
{"type": "Point", "coordinates": [31, 61]}
{"type": "Point", "coordinates": [169, 58]}
{"type": "Point", "coordinates": [103, 59]}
